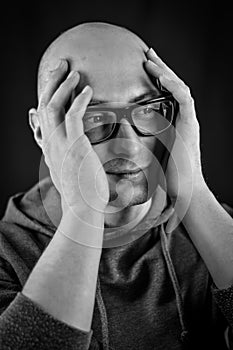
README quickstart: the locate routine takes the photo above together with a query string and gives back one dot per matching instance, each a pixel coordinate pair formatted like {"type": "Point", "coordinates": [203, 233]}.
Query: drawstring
{"type": "Point", "coordinates": [175, 283]}
{"type": "Point", "coordinates": [172, 273]}
{"type": "Point", "coordinates": [103, 316]}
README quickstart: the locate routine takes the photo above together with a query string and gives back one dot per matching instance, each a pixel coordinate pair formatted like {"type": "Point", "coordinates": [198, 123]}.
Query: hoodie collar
{"type": "Point", "coordinates": [39, 208]}
{"type": "Point", "coordinates": [27, 209]}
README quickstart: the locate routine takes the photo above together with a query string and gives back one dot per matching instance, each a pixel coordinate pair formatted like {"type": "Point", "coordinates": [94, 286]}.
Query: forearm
{"type": "Point", "coordinates": [211, 230]}
{"type": "Point", "coordinates": [63, 281]}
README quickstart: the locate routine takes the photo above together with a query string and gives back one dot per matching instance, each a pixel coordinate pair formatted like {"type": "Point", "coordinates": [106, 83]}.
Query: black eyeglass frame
{"type": "Point", "coordinates": [126, 112]}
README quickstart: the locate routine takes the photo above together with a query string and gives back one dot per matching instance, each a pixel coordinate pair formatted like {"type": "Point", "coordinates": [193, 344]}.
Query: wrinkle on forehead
{"type": "Point", "coordinates": [98, 51]}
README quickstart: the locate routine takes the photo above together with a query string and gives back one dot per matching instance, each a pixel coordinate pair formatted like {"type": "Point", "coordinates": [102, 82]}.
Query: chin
{"type": "Point", "coordinates": [128, 198]}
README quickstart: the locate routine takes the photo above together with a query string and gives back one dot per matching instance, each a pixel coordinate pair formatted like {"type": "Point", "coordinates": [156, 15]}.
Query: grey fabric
{"type": "Point", "coordinates": [152, 293]}
{"type": "Point", "coordinates": [37, 327]}
{"type": "Point", "coordinates": [224, 299]}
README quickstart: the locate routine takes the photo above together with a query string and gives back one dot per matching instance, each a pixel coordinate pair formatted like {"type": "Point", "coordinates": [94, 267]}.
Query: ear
{"type": "Point", "coordinates": [35, 126]}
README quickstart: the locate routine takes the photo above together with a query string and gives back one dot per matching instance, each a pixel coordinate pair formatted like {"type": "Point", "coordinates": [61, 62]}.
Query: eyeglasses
{"type": "Point", "coordinates": [146, 118]}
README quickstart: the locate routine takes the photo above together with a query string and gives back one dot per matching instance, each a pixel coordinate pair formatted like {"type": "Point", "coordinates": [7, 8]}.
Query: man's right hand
{"type": "Point", "coordinates": [74, 166]}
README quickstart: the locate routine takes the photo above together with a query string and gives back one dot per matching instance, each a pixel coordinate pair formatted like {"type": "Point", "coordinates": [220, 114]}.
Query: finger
{"type": "Point", "coordinates": [54, 80]}
{"type": "Point", "coordinates": [182, 94]}
{"type": "Point", "coordinates": [65, 90]}
{"type": "Point", "coordinates": [159, 72]}
{"type": "Point", "coordinates": [74, 116]}
{"type": "Point", "coordinates": [158, 69]}
{"type": "Point", "coordinates": [173, 84]}
{"type": "Point", "coordinates": [56, 106]}
{"type": "Point", "coordinates": [162, 67]}
{"type": "Point", "coordinates": [152, 55]}
{"type": "Point", "coordinates": [53, 114]}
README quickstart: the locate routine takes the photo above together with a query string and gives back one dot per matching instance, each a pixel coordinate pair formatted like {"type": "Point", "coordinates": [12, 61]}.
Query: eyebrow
{"type": "Point", "coordinates": [141, 98]}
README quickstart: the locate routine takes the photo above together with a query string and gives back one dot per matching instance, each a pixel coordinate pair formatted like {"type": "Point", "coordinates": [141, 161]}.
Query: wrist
{"type": "Point", "coordinates": [193, 188]}
{"type": "Point", "coordinates": [82, 207]}
{"type": "Point", "coordinates": [83, 226]}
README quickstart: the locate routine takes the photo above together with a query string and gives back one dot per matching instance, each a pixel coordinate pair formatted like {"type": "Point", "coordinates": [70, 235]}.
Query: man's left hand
{"type": "Point", "coordinates": [184, 165]}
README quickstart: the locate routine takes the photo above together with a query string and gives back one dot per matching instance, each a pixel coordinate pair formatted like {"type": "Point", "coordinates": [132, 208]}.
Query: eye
{"type": "Point", "coordinates": [94, 118]}
{"type": "Point", "coordinates": [147, 110]}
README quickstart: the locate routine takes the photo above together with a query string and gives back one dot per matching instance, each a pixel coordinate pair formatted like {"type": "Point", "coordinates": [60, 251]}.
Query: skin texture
{"type": "Point", "coordinates": [102, 54]}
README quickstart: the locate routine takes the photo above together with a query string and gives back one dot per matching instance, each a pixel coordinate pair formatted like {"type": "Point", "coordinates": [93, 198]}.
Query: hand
{"type": "Point", "coordinates": [74, 166]}
{"type": "Point", "coordinates": [184, 164]}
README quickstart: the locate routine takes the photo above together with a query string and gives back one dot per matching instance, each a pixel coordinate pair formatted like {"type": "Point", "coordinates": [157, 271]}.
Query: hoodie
{"type": "Point", "coordinates": [153, 292]}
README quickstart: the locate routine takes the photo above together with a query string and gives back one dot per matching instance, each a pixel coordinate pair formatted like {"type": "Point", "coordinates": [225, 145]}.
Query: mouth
{"type": "Point", "coordinates": [126, 174]}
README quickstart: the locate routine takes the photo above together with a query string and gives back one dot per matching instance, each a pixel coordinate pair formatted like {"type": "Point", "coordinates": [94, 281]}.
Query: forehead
{"type": "Point", "coordinates": [114, 70]}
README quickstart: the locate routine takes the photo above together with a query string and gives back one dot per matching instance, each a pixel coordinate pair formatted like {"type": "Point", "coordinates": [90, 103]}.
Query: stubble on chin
{"type": "Point", "coordinates": [136, 194]}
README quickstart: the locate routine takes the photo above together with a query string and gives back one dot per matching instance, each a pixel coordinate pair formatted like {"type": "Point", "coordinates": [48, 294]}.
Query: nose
{"type": "Point", "coordinates": [126, 141]}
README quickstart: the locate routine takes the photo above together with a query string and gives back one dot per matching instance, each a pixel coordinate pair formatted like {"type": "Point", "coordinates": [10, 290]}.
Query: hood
{"type": "Point", "coordinates": [39, 209]}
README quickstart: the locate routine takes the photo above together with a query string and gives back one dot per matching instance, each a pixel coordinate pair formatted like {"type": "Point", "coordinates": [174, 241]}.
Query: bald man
{"type": "Point", "coordinates": [123, 245]}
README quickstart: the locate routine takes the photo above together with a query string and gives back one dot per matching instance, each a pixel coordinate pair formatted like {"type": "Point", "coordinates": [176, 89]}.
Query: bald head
{"type": "Point", "coordinates": [109, 58]}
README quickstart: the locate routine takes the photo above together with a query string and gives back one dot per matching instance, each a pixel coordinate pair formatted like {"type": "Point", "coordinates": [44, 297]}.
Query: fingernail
{"type": "Point", "coordinates": [86, 89]}
{"type": "Point", "coordinates": [60, 64]}
{"type": "Point", "coordinates": [72, 74]}
{"type": "Point", "coordinates": [149, 61]}
{"type": "Point", "coordinates": [152, 51]}
{"type": "Point", "coordinates": [152, 63]}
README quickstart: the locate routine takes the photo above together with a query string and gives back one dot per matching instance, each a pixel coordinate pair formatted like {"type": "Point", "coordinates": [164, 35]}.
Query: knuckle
{"type": "Point", "coordinates": [71, 115]}
{"type": "Point", "coordinates": [162, 77]}
{"type": "Point", "coordinates": [190, 99]}
{"type": "Point", "coordinates": [187, 94]}
{"type": "Point", "coordinates": [53, 108]}
{"type": "Point", "coordinates": [187, 90]}
{"type": "Point", "coordinates": [75, 113]}
{"type": "Point", "coordinates": [42, 103]}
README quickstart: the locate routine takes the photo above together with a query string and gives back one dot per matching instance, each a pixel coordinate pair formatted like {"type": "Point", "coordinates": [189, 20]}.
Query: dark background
{"type": "Point", "coordinates": [195, 39]}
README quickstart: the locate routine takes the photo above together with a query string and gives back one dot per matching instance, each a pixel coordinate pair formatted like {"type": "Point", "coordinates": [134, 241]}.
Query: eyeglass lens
{"type": "Point", "coordinates": [149, 119]}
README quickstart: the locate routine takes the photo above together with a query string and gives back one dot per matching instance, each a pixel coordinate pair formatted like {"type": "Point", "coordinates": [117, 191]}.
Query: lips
{"type": "Point", "coordinates": [133, 171]}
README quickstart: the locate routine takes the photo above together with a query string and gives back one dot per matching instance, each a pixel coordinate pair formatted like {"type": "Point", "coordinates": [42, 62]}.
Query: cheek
{"type": "Point", "coordinates": [148, 142]}
{"type": "Point", "coordinates": [149, 145]}
{"type": "Point", "coordinates": [102, 152]}
{"type": "Point", "coordinates": [157, 149]}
